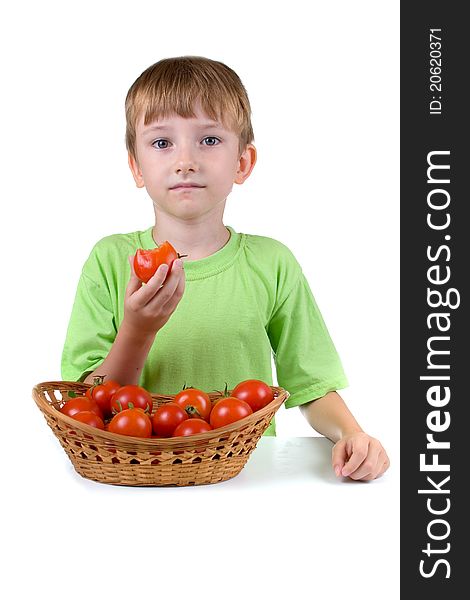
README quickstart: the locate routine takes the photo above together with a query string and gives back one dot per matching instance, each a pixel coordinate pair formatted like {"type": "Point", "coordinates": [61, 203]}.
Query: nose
{"type": "Point", "coordinates": [185, 161]}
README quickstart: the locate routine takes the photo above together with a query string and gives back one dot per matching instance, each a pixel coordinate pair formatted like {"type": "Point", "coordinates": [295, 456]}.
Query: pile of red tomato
{"type": "Point", "coordinates": [127, 410]}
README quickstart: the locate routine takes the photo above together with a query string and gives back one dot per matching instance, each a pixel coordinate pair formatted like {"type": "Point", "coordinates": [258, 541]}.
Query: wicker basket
{"type": "Point", "coordinates": [208, 457]}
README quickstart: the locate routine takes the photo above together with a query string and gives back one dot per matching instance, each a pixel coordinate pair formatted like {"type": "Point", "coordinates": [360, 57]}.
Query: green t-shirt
{"type": "Point", "coordinates": [241, 305]}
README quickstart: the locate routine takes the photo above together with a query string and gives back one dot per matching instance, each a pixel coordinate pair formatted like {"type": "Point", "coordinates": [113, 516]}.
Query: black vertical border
{"type": "Point", "coordinates": [421, 133]}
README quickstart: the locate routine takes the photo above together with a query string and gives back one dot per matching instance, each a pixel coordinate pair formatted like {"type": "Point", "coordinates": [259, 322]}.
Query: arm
{"type": "Point", "coordinates": [330, 416]}
{"type": "Point", "coordinates": [146, 310]}
{"type": "Point", "coordinates": [355, 454]}
{"type": "Point", "coordinates": [126, 358]}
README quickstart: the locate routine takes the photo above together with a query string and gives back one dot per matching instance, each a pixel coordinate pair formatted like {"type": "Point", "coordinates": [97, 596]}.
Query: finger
{"type": "Point", "coordinates": [339, 457]}
{"type": "Point", "coordinates": [356, 458]}
{"type": "Point", "coordinates": [383, 463]}
{"type": "Point", "coordinates": [148, 291]}
{"type": "Point", "coordinates": [367, 470]}
{"type": "Point", "coordinates": [134, 283]}
{"type": "Point", "coordinates": [383, 467]}
{"type": "Point", "coordinates": [372, 465]}
{"type": "Point", "coordinates": [167, 291]}
{"type": "Point", "coordinates": [174, 299]}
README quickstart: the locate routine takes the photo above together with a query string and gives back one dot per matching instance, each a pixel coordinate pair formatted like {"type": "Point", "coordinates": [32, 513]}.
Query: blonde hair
{"type": "Point", "coordinates": [174, 85]}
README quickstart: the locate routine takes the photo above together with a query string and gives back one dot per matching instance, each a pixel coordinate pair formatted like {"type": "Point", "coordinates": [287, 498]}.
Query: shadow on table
{"type": "Point", "coordinates": [288, 459]}
{"type": "Point", "coordinates": [274, 461]}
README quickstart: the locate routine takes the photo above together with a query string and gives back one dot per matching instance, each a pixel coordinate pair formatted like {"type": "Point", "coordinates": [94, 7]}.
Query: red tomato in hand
{"type": "Point", "coordinates": [191, 427]}
{"type": "Point", "coordinates": [79, 404]}
{"type": "Point", "coordinates": [195, 402]}
{"type": "Point", "coordinates": [131, 421]}
{"type": "Point", "coordinates": [146, 262]}
{"type": "Point", "coordinates": [131, 396]}
{"type": "Point", "coordinates": [88, 417]}
{"type": "Point", "coordinates": [228, 410]}
{"type": "Point", "coordinates": [102, 392]}
{"type": "Point", "coordinates": [166, 419]}
{"type": "Point", "coordinates": [254, 392]}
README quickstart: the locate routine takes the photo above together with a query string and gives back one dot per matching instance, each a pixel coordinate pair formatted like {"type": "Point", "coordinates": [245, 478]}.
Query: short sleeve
{"type": "Point", "coordinates": [306, 360]}
{"type": "Point", "coordinates": [92, 326]}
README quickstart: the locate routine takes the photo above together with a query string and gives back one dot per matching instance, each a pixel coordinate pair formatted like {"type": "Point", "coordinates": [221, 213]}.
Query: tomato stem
{"type": "Point", "coordinates": [225, 393]}
{"type": "Point", "coordinates": [97, 380]}
{"type": "Point", "coordinates": [192, 411]}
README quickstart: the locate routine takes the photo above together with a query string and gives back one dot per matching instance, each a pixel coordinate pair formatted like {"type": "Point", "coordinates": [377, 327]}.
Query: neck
{"type": "Point", "coordinates": [197, 240]}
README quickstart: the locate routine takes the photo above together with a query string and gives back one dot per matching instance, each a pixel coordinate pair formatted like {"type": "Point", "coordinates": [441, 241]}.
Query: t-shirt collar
{"type": "Point", "coordinates": [210, 265]}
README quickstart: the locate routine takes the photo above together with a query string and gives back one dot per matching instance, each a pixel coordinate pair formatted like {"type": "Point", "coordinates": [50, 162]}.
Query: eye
{"type": "Point", "coordinates": [213, 139]}
{"type": "Point", "coordinates": [156, 143]}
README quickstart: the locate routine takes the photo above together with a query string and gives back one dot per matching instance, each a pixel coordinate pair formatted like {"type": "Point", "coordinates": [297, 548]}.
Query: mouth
{"type": "Point", "coordinates": [187, 187]}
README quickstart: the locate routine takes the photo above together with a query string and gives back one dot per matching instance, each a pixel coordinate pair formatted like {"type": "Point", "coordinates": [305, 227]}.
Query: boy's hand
{"type": "Point", "coordinates": [148, 307]}
{"type": "Point", "coordinates": [360, 457]}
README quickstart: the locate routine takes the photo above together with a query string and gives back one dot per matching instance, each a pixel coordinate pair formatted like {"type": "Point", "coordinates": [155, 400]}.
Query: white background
{"type": "Point", "coordinates": [322, 79]}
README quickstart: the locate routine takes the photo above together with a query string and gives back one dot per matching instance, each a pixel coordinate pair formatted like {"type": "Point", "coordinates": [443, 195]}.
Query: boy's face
{"type": "Point", "coordinates": [177, 152]}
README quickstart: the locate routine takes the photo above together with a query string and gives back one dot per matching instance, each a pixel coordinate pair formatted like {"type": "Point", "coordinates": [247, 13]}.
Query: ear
{"type": "Point", "coordinates": [246, 162]}
{"type": "Point", "coordinates": [136, 172]}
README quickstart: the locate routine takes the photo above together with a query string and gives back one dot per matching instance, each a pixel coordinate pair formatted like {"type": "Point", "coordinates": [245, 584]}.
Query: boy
{"type": "Point", "coordinates": [235, 299]}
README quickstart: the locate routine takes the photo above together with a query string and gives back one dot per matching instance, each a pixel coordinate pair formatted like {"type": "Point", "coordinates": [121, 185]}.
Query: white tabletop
{"type": "Point", "coordinates": [285, 522]}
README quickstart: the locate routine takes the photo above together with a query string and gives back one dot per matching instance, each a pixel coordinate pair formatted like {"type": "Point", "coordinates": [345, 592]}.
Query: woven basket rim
{"type": "Point", "coordinates": [102, 435]}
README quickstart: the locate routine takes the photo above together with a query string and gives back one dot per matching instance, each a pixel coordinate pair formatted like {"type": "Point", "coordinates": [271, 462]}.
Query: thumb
{"type": "Point", "coordinates": [134, 282]}
{"type": "Point", "coordinates": [339, 457]}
